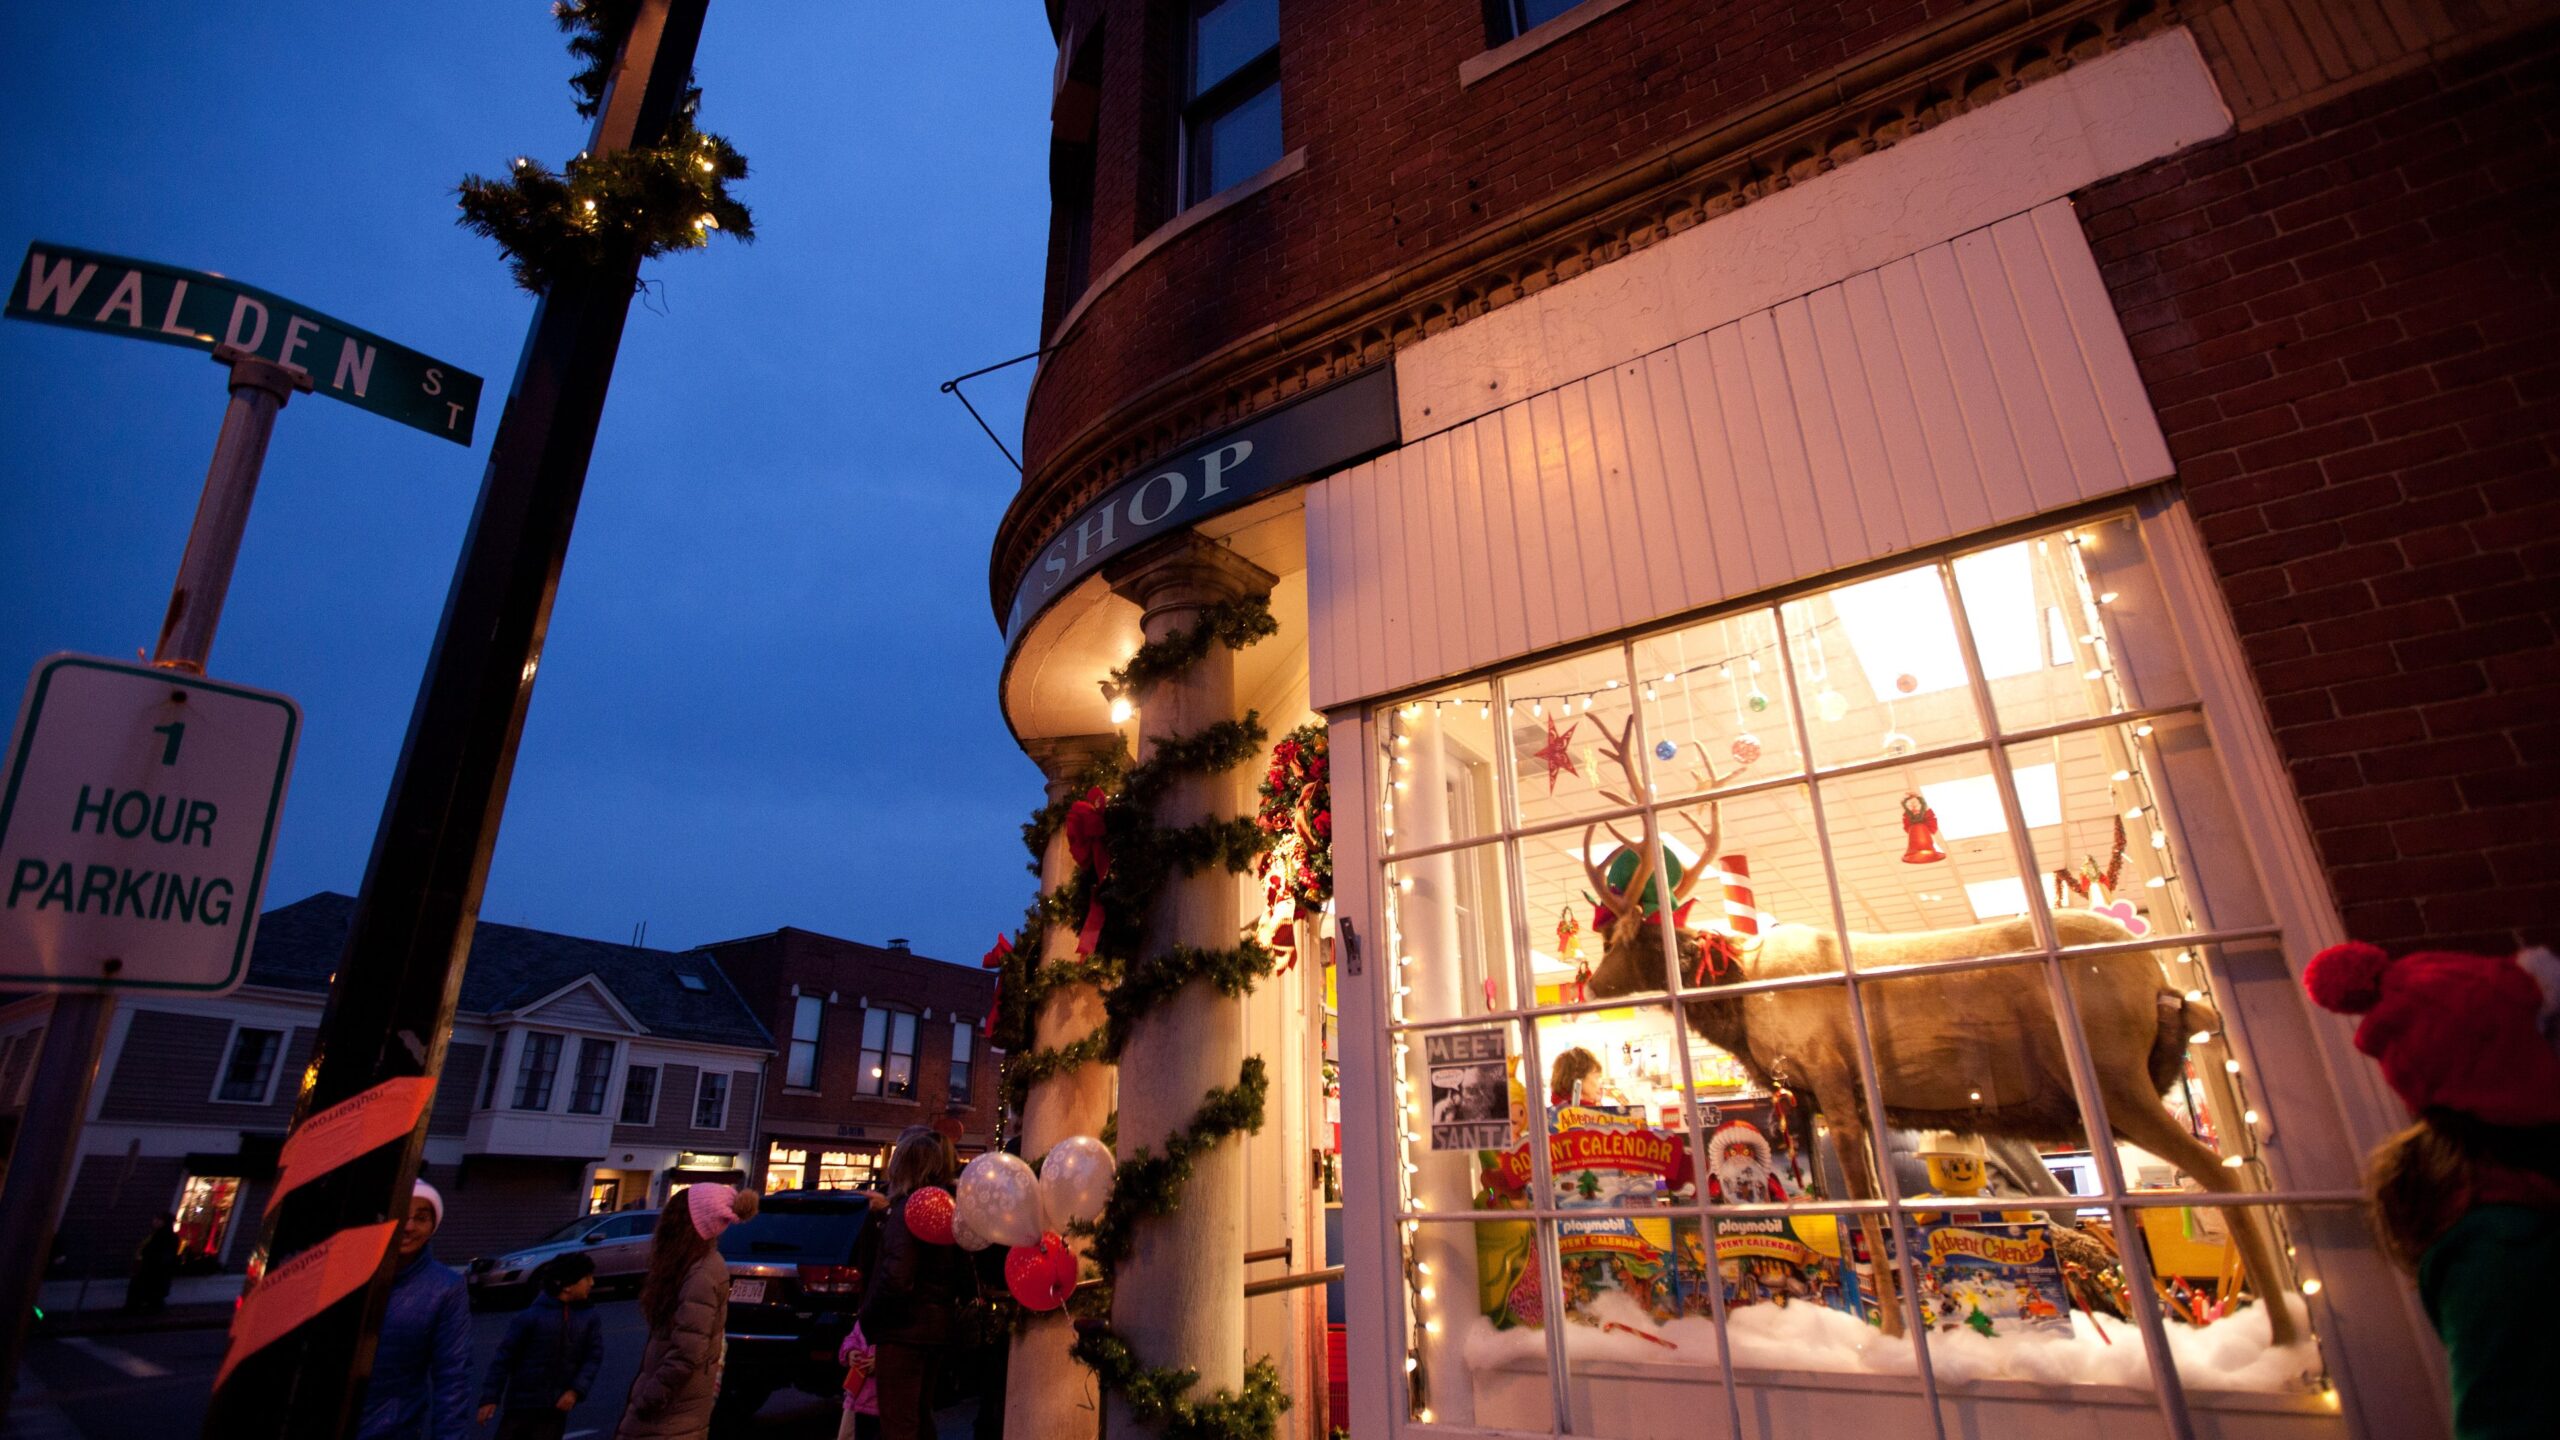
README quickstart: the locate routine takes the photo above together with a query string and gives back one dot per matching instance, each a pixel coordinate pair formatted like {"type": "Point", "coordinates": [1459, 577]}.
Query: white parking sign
{"type": "Point", "coordinates": [136, 827]}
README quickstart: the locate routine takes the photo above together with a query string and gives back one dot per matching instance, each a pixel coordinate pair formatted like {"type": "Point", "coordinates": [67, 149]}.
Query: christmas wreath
{"type": "Point", "coordinates": [1297, 813]}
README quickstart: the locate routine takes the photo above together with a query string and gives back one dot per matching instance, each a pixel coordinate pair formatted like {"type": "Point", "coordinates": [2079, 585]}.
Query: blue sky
{"type": "Point", "coordinates": [768, 696]}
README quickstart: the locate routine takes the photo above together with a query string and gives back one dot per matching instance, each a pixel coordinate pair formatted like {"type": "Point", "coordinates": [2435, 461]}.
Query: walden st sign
{"type": "Point", "coordinates": [86, 290]}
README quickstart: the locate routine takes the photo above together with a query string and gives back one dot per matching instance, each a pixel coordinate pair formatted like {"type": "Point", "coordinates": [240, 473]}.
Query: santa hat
{"type": "Point", "coordinates": [2466, 1033]}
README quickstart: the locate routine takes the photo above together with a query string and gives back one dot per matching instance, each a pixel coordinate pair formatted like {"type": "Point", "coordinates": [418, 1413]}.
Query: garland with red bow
{"type": "Point", "coordinates": [2067, 883]}
{"type": "Point", "coordinates": [1297, 813]}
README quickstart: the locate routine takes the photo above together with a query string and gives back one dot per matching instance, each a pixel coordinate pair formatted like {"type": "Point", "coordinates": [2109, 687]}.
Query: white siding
{"type": "Point", "coordinates": [1973, 383]}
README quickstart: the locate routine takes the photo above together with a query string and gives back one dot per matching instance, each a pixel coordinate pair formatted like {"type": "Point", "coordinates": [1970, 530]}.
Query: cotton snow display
{"type": "Point", "coordinates": [2231, 1354]}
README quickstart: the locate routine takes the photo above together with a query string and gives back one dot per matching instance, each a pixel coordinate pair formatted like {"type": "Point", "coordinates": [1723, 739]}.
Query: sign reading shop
{"type": "Point", "coordinates": [1323, 431]}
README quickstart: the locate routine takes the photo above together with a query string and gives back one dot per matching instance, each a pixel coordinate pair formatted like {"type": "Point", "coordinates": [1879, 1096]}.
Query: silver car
{"type": "Point", "coordinates": [618, 1243]}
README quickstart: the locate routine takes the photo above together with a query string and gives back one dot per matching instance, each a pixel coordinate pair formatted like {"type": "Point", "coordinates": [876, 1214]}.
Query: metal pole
{"type": "Point", "coordinates": [40, 1169]}
{"type": "Point", "coordinates": [391, 1009]}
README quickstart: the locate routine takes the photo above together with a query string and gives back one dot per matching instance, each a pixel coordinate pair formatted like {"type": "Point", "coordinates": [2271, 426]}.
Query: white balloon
{"type": "Point", "coordinates": [1000, 1198]}
{"type": "Point", "coordinates": [1075, 1181]}
{"type": "Point", "coordinates": [966, 1235]}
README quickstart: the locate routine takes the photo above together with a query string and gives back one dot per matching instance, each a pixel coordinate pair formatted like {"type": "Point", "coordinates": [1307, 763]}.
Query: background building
{"type": "Point", "coordinates": [868, 1041]}
{"type": "Point", "coordinates": [2121, 430]}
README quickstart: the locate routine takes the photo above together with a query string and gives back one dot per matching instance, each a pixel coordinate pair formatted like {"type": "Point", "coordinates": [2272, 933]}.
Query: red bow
{"type": "Point", "coordinates": [1085, 847]}
{"type": "Point", "coordinates": [994, 960]}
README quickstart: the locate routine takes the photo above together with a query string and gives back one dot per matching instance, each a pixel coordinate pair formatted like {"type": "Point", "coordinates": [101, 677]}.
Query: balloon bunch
{"type": "Point", "coordinates": [1002, 1202]}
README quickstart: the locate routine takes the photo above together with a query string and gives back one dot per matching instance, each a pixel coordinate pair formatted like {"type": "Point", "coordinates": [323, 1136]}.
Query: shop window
{"type": "Point", "coordinates": [963, 1035]}
{"type": "Point", "coordinates": [1738, 976]}
{"type": "Point", "coordinates": [888, 1061]}
{"type": "Point", "coordinates": [640, 1095]}
{"type": "Point", "coordinates": [1510, 19]}
{"type": "Point", "coordinates": [204, 1216]}
{"type": "Point", "coordinates": [249, 1071]}
{"type": "Point", "coordinates": [594, 1076]}
{"type": "Point", "coordinates": [808, 1012]}
{"type": "Point", "coordinates": [1231, 94]}
{"type": "Point", "coordinates": [786, 1168]}
{"type": "Point", "coordinates": [711, 1101]}
{"type": "Point", "coordinates": [537, 1066]}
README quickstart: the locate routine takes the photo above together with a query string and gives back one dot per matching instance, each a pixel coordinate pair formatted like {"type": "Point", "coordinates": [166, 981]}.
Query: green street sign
{"type": "Point", "coordinates": [83, 289]}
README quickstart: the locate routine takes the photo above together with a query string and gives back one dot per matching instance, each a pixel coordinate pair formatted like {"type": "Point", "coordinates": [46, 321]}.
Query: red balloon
{"type": "Point", "coordinates": [929, 1216]}
{"type": "Point", "coordinates": [1041, 1276]}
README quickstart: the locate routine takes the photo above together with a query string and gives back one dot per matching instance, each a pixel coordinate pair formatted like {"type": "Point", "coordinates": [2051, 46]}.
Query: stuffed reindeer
{"type": "Point", "coordinates": [1974, 1051]}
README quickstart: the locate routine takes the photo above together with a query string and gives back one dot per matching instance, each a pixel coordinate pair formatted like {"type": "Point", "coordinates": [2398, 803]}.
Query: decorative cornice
{"type": "Point", "coordinates": [1925, 78]}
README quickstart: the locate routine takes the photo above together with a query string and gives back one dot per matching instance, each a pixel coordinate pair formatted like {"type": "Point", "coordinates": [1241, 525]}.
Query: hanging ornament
{"type": "Point", "coordinates": [1919, 832]}
{"type": "Point", "coordinates": [1746, 747]}
{"type": "Point", "coordinates": [1568, 935]}
{"type": "Point", "coordinates": [1831, 705]}
{"type": "Point", "coordinates": [1906, 682]}
{"type": "Point", "coordinates": [1664, 750]}
{"type": "Point", "coordinates": [1558, 752]}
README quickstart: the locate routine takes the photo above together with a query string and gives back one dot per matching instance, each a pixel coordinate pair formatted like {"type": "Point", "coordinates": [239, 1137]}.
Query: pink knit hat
{"type": "Point", "coordinates": [714, 1208]}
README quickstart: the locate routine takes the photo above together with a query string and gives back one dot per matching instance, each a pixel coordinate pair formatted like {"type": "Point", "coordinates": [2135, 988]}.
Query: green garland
{"type": "Point", "coordinates": [1232, 623]}
{"type": "Point", "coordinates": [601, 209]}
{"type": "Point", "coordinates": [1142, 856]}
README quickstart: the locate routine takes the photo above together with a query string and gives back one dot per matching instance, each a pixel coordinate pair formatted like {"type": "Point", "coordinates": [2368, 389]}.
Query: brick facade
{"type": "Point", "coordinates": [2344, 319]}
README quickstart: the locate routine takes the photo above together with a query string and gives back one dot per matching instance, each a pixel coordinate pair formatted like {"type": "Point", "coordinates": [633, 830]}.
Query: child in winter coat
{"type": "Point", "coordinates": [2469, 1197]}
{"type": "Point", "coordinates": [861, 1392]}
{"type": "Point", "coordinates": [548, 1360]}
{"type": "Point", "coordinates": [685, 1301]}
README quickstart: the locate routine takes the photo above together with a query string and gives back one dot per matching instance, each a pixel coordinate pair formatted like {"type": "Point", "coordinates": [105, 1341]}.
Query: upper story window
{"type": "Point", "coordinates": [1231, 94]}
{"type": "Point", "coordinates": [490, 1068]}
{"type": "Point", "coordinates": [537, 1065]}
{"type": "Point", "coordinates": [808, 1012]}
{"type": "Point", "coordinates": [888, 1054]}
{"type": "Point", "coordinates": [595, 1073]}
{"type": "Point", "coordinates": [250, 1068]}
{"type": "Point", "coordinates": [963, 1035]}
{"type": "Point", "coordinates": [711, 1101]}
{"type": "Point", "coordinates": [1511, 19]}
{"type": "Point", "coordinates": [640, 1095]}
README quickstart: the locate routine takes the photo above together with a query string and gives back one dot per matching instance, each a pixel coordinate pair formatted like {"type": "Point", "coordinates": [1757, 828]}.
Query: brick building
{"type": "Point", "coordinates": [868, 1040]}
{"type": "Point", "coordinates": [1985, 482]}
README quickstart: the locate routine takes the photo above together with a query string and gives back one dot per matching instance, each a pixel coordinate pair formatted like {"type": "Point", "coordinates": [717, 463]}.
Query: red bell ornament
{"type": "Point", "coordinates": [1919, 832]}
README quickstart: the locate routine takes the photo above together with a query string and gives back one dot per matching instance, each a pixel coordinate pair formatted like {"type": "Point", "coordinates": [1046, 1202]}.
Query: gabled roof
{"type": "Point", "coordinates": [511, 967]}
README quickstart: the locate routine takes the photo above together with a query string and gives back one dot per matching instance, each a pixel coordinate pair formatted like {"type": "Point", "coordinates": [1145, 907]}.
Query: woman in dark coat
{"type": "Point", "coordinates": [685, 1301]}
{"type": "Point", "coordinates": [911, 1310]}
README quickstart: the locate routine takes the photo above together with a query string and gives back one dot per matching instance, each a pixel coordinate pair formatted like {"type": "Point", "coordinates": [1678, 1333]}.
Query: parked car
{"type": "Point", "coordinates": [793, 1291]}
{"type": "Point", "coordinates": [618, 1243]}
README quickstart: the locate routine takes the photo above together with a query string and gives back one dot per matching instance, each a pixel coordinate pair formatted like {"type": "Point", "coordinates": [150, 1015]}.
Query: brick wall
{"type": "Point", "coordinates": [2346, 321]}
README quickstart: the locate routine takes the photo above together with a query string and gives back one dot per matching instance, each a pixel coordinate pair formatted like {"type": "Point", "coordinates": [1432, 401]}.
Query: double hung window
{"type": "Point", "coordinates": [1230, 94]}
{"type": "Point", "coordinates": [888, 1054]}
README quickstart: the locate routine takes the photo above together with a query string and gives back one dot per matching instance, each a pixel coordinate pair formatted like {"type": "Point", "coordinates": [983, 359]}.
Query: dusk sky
{"type": "Point", "coordinates": [768, 695]}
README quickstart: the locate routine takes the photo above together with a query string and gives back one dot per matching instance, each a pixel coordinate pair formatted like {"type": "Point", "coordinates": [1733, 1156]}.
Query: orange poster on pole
{"type": "Point", "coordinates": [348, 1129]}
{"type": "Point", "coordinates": [303, 1287]}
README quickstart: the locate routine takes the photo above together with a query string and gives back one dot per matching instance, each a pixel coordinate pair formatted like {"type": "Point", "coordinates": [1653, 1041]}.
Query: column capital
{"type": "Point", "coordinates": [1063, 759]}
{"type": "Point", "coordinates": [1185, 572]}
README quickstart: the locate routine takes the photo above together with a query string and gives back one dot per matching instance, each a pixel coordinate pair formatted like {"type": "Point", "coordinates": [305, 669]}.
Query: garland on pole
{"type": "Point", "coordinates": [1123, 857]}
{"type": "Point", "coordinates": [601, 208]}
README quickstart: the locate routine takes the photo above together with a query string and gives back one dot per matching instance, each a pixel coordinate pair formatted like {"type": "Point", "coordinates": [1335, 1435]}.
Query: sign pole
{"type": "Point", "coordinates": [40, 1169]}
{"type": "Point", "coordinates": [299, 1367]}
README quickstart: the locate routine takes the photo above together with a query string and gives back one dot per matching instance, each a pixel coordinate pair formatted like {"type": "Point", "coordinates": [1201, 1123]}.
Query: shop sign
{"type": "Point", "coordinates": [1319, 432]}
{"type": "Point", "coordinates": [143, 300]}
{"type": "Point", "coordinates": [137, 821]}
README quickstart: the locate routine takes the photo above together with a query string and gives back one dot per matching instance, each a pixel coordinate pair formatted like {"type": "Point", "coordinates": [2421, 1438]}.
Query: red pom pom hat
{"type": "Point", "coordinates": [2475, 1034]}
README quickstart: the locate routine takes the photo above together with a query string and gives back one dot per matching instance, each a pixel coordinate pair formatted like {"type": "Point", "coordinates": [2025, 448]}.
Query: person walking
{"type": "Point", "coordinates": [547, 1361]}
{"type": "Point", "coordinates": [421, 1383]}
{"type": "Point", "coordinates": [155, 1265]}
{"type": "Point", "coordinates": [911, 1309]}
{"type": "Point", "coordinates": [2468, 1198]}
{"type": "Point", "coordinates": [685, 1303]}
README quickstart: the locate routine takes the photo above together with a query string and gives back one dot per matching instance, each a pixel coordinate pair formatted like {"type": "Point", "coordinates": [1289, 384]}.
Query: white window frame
{"type": "Point", "coordinates": [657, 1089]}
{"type": "Point", "coordinates": [877, 1086]}
{"type": "Point", "coordinates": [728, 1096]}
{"type": "Point", "coordinates": [282, 1030]}
{"type": "Point", "coordinates": [515, 1084]}
{"type": "Point", "coordinates": [613, 1062]}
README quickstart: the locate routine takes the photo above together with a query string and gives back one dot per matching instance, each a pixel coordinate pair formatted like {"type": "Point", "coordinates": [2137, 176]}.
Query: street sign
{"type": "Point", "coordinates": [86, 290]}
{"type": "Point", "coordinates": [135, 829]}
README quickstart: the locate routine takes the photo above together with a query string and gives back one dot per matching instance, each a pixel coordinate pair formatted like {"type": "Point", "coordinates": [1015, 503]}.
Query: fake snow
{"type": "Point", "coordinates": [2230, 1354]}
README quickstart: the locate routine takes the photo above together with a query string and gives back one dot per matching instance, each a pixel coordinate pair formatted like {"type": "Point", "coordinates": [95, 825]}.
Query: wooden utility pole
{"type": "Point", "coordinates": [391, 1008]}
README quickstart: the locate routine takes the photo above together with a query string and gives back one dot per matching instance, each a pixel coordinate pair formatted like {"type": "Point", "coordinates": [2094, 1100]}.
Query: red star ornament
{"type": "Point", "coordinates": [1558, 752]}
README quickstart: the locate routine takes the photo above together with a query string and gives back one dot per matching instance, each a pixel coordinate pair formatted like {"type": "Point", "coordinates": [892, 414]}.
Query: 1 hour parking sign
{"type": "Point", "coordinates": [136, 826]}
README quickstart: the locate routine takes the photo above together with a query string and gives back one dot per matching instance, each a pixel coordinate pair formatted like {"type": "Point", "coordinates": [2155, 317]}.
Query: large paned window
{"type": "Point", "coordinates": [640, 1095]}
{"type": "Point", "coordinates": [808, 1013]}
{"type": "Point", "coordinates": [595, 1075]}
{"type": "Point", "coordinates": [888, 1065]}
{"type": "Point", "coordinates": [711, 1101]}
{"type": "Point", "coordinates": [537, 1066]}
{"type": "Point", "coordinates": [250, 1069]}
{"type": "Point", "coordinates": [1756, 988]}
{"type": "Point", "coordinates": [1231, 94]}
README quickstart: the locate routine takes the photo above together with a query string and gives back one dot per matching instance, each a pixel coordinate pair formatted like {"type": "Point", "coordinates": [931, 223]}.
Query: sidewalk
{"type": "Point", "coordinates": [196, 1302]}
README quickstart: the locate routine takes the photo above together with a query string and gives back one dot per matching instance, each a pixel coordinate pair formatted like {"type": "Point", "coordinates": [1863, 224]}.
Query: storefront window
{"type": "Point", "coordinates": [1786, 933]}
{"type": "Point", "coordinates": [204, 1216]}
{"type": "Point", "coordinates": [793, 1167]}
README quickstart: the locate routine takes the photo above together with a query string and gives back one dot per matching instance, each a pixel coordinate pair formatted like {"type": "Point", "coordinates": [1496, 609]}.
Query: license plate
{"type": "Point", "coordinates": [746, 1292]}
